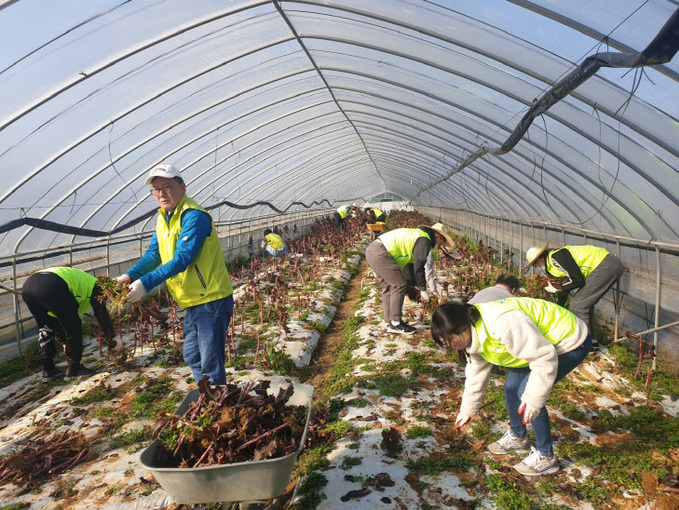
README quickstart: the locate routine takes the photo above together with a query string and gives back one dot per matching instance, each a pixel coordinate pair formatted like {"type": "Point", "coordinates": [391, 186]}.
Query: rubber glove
{"type": "Point", "coordinates": [461, 420]}
{"type": "Point", "coordinates": [124, 278]}
{"type": "Point", "coordinates": [425, 296]}
{"type": "Point", "coordinates": [551, 288]}
{"type": "Point", "coordinates": [137, 291]}
{"type": "Point", "coordinates": [529, 412]}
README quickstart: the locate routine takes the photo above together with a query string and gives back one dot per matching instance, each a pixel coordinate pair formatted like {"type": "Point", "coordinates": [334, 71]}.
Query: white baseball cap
{"type": "Point", "coordinates": [167, 171]}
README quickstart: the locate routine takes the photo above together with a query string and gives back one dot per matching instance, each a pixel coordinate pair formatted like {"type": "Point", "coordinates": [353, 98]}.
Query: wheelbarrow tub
{"type": "Point", "coordinates": [242, 481]}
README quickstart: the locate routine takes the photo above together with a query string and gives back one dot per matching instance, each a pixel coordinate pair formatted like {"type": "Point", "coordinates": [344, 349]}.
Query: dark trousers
{"type": "Point", "coordinates": [47, 292]}
{"type": "Point", "coordinates": [596, 285]}
{"type": "Point", "coordinates": [391, 278]}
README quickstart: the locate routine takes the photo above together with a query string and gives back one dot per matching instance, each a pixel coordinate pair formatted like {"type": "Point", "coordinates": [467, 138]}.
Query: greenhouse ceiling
{"type": "Point", "coordinates": [268, 106]}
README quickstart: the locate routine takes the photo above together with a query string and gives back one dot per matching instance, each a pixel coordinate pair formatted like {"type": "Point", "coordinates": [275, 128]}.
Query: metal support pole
{"type": "Point", "coordinates": [658, 283]}
{"type": "Point", "coordinates": [617, 298]}
{"type": "Point", "coordinates": [15, 299]}
{"type": "Point", "coordinates": [108, 257]}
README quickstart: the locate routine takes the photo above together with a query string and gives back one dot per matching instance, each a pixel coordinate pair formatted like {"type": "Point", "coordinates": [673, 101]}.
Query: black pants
{"type": "Point", "coordinates": [47, 292]}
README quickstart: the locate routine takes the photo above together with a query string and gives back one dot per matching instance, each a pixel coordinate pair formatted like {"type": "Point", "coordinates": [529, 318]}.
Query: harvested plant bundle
{"type": "Point", "coordinates": [229, 424]}
{"type": "Point", "coordinates": [44, 456]}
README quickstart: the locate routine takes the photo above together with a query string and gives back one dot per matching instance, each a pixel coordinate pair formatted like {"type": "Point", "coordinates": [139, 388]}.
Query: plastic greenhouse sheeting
{"type": "Point", "coordinates": [311, 104]}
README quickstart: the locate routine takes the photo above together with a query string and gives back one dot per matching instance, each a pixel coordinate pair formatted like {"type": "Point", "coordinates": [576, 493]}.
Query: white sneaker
{"type": "Point", "coordinates": [537, 464]}
{"type": "Point", "coordinates": [509, 442]}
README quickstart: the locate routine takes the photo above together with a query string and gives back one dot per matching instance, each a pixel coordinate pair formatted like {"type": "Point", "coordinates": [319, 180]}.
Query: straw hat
{"type": "Point", "coordinates": [449, 247]}
{"type": "Point", "coordinates": [533, 254]}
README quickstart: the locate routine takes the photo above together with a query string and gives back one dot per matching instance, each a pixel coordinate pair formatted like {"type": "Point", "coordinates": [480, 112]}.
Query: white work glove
{"type": "Point", "coordinates": [124, 278]}
{"type": "Point", "coordinates": [551, 288]}
{"type": "Point", "coordinates": [425, 296]}
{"type": "Point", "coordinates": [137, 291]}
{"type": "Point", "coordinates": [461, 420]}
{"type": "Point", "coordinates": [529, 412]}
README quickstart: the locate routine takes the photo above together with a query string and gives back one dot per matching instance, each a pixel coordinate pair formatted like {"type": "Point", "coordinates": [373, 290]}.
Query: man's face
{"type": "Point", "coordinates": [167, 192]}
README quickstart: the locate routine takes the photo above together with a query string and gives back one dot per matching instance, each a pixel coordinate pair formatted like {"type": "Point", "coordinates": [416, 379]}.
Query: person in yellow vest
{"type": "Point", "coordinates": [539, 341]}
{"type": "Point", "coordinates": [273, 244]}
{"type": "Point", "coordinates": [342, 213]}
{"type": "Point", "coordinates": [57, 297]}
{"type": "Point", "coordinates": [590, 270]}
{"type": "Point", "coordinates": [186, 254]}
{"type": "Point", "coordinates": [375, 214]}
{"type": "Point", "coordinates": [388, 256]}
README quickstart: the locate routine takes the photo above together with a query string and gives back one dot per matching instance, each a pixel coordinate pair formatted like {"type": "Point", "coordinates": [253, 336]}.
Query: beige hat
{"type": "Point", "coordinates": [166, 171]}
{"type": "Point", "coordinates": [533, 254]}
{"type": "Point", "coordinates": [449, 247]}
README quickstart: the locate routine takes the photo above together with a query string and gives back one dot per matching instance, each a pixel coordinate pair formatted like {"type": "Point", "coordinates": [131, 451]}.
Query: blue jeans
{"type": "Point", "coordinates": [205, 328]}
{"type": "Point", "coordinates": [515, 384]}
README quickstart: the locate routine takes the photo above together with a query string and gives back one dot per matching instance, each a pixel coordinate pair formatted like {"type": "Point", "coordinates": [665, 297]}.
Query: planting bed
{"type": "Point", "coordinates": [382, 430]}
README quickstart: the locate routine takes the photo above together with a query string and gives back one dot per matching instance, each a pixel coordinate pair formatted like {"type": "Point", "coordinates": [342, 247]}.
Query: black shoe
{"type": "Point", "coordinates": [52, 374]}
{"type": "Point", "coordinates": [595, 346]}
{"type": "Point", "coordinates": [79, 371]}
{"type": "Point", "coordinates": [403, 329]}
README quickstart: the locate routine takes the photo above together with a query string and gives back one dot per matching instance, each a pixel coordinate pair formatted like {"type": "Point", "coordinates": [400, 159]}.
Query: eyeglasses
{"type": "Point", "coordinates": [164, 189]}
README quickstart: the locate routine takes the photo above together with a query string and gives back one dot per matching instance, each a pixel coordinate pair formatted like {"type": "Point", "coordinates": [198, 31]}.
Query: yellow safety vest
{"type": "Point", "coordinates": [376, 211]}
{"type": "Point", "coordinates": [80, 284]}
{"type": "Point", "coordinates": [206, 279]}
{"type": "Point", "coordinates": [401, 242]}
{"type": "Point", "coordinates": [554, 322]}
{"type": "Point", "coordinates": [586, 257]}
{"type": "Point", "coordinates": [275, 241]}
{"type": "Point", "coordinates": [344, 211]}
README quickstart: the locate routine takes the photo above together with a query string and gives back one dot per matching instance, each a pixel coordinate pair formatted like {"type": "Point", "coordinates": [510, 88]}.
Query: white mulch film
{"type": "Point", "coordinates": [117, 480]}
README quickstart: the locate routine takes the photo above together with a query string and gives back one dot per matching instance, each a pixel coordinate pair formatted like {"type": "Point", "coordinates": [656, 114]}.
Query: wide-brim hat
{"type": "Point", "coordinates": [533, 254]}
{"type": "Point", "coordinates": [449, 247]}
{"type": "Point", "coordinates": [166, 171]}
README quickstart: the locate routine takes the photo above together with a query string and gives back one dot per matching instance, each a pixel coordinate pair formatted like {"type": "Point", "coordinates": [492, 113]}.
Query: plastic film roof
{"type": "Point", "coordinates": [320, 103]}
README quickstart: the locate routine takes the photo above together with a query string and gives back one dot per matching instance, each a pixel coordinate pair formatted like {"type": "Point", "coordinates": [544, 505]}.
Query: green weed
{"type": "Point", "coordinates": [418, 432]}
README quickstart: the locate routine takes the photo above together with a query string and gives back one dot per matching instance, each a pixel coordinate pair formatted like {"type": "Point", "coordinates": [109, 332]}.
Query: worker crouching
{"type": "Point", "coordinates": [538, 341]}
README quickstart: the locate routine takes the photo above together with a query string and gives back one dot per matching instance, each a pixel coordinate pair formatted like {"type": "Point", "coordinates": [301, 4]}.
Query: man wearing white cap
{"type": "Point", "coordinates": [389, 255]}
{"type": "Point", "coordinates": [590, 270]}
{"type": "Point", "coordinates": [185, 252]}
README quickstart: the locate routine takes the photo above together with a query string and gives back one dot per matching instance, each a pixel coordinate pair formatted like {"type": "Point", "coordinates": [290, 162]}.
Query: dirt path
{"type": "Point", "coordinates": [326, 352]}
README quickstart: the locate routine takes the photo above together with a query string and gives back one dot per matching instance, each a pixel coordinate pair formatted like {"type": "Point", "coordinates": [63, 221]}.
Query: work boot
{"type": "Point", "coordinates": [78, 370]}
{"type": "Point", "coordinates": [51, 373]}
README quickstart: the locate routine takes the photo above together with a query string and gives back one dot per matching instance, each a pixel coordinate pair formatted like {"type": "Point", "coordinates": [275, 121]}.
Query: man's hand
{"type": "Point", "coordinates": [461, 420]}
{"type": "Point", "coordinates": [137, 291]}
{"type": "Point", "coordinates": [425, 296]}
{"type": "Point", "coordinates": [529, 412]}
{"type": "Point", "coordinates": [123, 278]}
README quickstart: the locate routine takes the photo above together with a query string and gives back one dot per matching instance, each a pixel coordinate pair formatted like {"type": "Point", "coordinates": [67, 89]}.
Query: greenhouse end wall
{"type": "Point", "coordinates": [647, 293]}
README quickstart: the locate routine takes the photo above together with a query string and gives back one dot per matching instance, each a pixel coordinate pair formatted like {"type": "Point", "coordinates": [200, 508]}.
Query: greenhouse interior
{"type": "Point", "coordinates": [346, 158]}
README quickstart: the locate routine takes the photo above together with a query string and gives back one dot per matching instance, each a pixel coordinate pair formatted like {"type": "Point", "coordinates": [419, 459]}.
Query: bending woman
{"type": "Point", "coordinates": [539, 341]}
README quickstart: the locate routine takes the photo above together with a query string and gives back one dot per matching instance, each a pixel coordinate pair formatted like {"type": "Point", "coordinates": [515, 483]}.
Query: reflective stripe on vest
{"type": "Point", "coordinates": [275, 241]}
{"type": "Point", "coordinates": [554, 322]}
{"type": "Point", "coordinates": [586, 257]}
{"type": "Point", "coordinates": [206, 279]}
{"type": "Point", "coordinates": [400, 243]}
{"type": "Point", "coordinates": [80, 284]}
